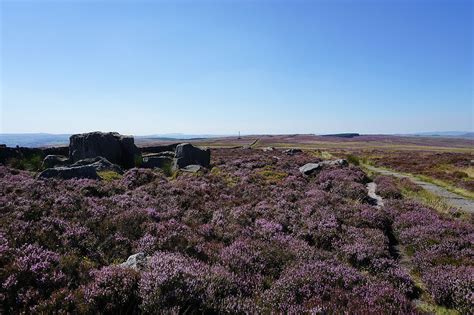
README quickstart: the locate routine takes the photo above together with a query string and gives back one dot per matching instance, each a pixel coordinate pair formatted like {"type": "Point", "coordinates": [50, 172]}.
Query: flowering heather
{"type": "Point", "coordinates": [387, 187]}
{"type": "Point", "coordinates": [249, 235]}
{"type": "Point", "coordinates": [442, 252]}
{"type": "Point", "coordinates": [113, 289]}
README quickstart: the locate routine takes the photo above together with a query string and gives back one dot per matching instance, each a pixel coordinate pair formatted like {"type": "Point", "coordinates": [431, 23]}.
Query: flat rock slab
{"type": "Point", "coordinates": [310, 168]}
{"type": "Point", "coordinates": [191, 168]}
{"type": "Point", "coordinates": [372, 188]}
{"type": "Point", "coordinates": [86, 171]}
{"type": "Point", "coordinates": [100, 164]}
{"type": "Point", "coordinates": [450, 198]}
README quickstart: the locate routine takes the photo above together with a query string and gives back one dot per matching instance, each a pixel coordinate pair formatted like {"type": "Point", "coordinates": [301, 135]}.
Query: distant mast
{"type": "Point", "coordinates": [239, 135]}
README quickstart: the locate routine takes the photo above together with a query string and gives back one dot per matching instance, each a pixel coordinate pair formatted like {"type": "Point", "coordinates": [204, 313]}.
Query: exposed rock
{"type": "Point", "coordinates": [156, 161]}
{"type": "Point", "coordinates": [54, 160]}
{"type": "Point", "coordinates": [339, 162]}
{"type": "Point", "coordinates": [85, 171]}
{"type": "Point", "coordinates": [268, 149]}
{"type": "Point", "coordinates": [137, 261]}
{"type": "Point", "coordinates": [292, 151]}
{"type": "Point", "coordinates": [159, 148]}
{"type": "Point", "coordinates": [311, 168]}
{"type": "Point", "coordinates": [116, 148]}
{"type": "Point", "coordinates": [187, 154]}
{"type": "Point", "coordinates": [100, 164]}
{"type": "Point", "coordinates": [169, 154]}
{"type": "Point", "coordinates": [191, 168]}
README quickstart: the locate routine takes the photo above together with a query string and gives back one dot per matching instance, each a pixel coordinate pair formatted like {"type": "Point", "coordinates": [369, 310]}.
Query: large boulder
{"type": "Point", "coordinates": [187, 154]}
{"type": "Point", "coordinates": [54, 160]}
{"type": "Point", "coordinates": [85, 171]}
{"type": "Point", "coordinates": [100, 164]}
{"type": "Point", "coordinates": [113, 146]}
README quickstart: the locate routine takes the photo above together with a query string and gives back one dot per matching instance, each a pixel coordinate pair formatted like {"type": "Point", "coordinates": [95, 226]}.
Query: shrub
{"type": "Point", "coordinates": [30, 163]}
{"type": "Point", "coordinates": [33, 276]}
{"type": "Point", "coordinates": [309, 285]}
{"type": "Point", "coordinates": [113, 290]}
{"type": "Point", "coordinates": [172, 281]}
{"type": "Point", "coordinates": [387, 187]}
{"type": "Point", "coordinates": [451, 286]}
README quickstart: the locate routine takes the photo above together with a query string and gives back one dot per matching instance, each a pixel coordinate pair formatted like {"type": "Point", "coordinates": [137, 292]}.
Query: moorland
{"type": "Point", "coordinates": [248, 233]}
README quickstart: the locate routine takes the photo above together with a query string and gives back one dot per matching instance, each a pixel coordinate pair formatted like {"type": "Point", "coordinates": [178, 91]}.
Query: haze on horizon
{"type": "Point", "coordinates": [259, 67]}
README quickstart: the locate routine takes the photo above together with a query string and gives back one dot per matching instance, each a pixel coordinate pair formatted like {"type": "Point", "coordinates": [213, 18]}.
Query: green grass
{"type": "Point", "coordinates": [427, 198]}
{"type": "Point", "coordinates": [271, 176]}
{"type": "Point", "coordinates": [138, 160]}
{"type": "Point", "coordinates": [353, 159]}
{"type": "Point", "coordinates": [324, 155]}
{"type": "Point", "coordinates": [168, 170]}
{"type": "Point", "coordinates": [432, 308]}
{"type": "Point", "coordinates": [33, 163]}
{"type": "Point", "coordinates": [109, 175]}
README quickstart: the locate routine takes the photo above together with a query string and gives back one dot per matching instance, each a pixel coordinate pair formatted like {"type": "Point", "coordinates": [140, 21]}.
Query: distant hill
{"type": "Point", "coordinates": [449, 134]}
{"type": "Point", "coordinates": [343, 135]}
{"type": "Point", "coordinates": [34, 140]}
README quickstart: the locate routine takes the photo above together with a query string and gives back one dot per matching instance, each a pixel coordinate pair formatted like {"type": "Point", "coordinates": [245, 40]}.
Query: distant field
{"type": "Point", "coordinates": [336, 143]}
{"type": "Point", "coordinates": [444, 161]}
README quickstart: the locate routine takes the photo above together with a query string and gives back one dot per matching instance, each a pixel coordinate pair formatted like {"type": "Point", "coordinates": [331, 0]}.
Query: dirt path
{"type": "Point", "coordinates": [450, 198]}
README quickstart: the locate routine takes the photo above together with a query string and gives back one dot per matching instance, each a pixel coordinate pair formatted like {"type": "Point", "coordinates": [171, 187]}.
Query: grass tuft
{"type": "Point", "coordinates": [271, 176]}
{"type": "Point", "coordinates": [353, 159]}
{"type": "Point", "coordinates": [109, 175]}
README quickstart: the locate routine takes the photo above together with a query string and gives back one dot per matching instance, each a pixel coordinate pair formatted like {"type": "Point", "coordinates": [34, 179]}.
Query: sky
{"type": "Point", "coordinates": [220, 67]}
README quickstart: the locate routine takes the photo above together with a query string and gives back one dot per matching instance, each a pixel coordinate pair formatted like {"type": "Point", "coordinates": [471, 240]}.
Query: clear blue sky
{"type": "Point", "coordinates": [222, 66]}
